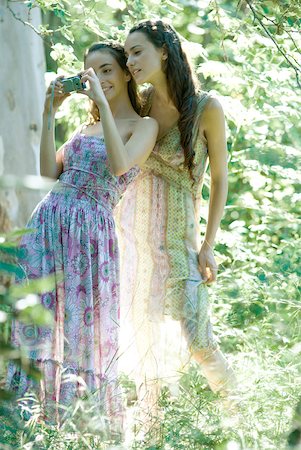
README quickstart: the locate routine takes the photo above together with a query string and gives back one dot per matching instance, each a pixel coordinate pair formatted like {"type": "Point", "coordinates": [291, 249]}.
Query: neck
{"type": "Point", "coordinates": [121, 107]}
{"type": "Point", "coordinates": [161, 94]}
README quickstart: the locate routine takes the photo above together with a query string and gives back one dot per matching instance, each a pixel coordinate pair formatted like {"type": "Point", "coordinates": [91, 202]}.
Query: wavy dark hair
{"type": "Point", "coordinates": [117, 51]}
{"type": "Point", "coordinates": [182, 83]}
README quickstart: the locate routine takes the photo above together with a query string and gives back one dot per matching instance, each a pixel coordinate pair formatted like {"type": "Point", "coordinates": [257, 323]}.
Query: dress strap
{"type": "Point", "coordinates": [203, 98]}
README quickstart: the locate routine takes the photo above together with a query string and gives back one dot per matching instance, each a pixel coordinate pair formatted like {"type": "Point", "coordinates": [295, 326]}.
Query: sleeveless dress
{"type": "Point", "coordinates": [75, 240]}
{"type": "Point", "coordinates": [162, 293]}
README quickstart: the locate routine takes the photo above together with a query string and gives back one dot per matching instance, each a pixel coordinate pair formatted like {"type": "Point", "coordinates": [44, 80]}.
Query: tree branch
{"type": "Point", "coordinates": [220, 27]}
{"type": "Point", "coordinates": [30, 25]}
{"type": "Point", "coordinates": [41, 34]}
{"type": "Point", "coordinates": [291, 64]}
{"type": "Point", "coordinates": [287, 32]}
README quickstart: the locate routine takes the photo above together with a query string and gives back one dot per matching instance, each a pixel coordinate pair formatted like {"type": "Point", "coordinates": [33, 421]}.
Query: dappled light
{"type": "Point", "coordinates": [247, 55]}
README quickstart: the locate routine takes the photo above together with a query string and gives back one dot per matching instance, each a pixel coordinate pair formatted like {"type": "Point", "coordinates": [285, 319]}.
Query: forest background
{"type": "Point", "coordinates": [248, 53]}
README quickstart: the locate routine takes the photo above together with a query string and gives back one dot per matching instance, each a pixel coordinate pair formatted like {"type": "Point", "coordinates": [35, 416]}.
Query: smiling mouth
{"type": "Point", "coordinates": [106, 89]}
{"type": "Point", "coordinates": [136, 71]}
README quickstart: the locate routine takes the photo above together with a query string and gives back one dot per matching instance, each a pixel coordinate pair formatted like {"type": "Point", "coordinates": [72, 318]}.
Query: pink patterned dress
{"type": "Point", "coordinates": [75, 240]}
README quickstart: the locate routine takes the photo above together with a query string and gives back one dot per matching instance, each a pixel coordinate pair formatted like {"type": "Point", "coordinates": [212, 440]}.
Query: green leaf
{"type": "Point", "coordinates": [11, 268]}
{"type": "Point", "coordinates": [28, 365]}
{"type": "Point", "coordinates": [33, 373]}
{"type": "Point", "coordinates": [6, 395]}
{"type": "Point", "coordinates": [37, 315]}
{"type": "Point", "coordinates": [59, 12]}
{"type": "Point", "coordinates": [67, 33]}
{"type": "Point", "coordinates": [16, 234]}
{"type": "Point", "coordinates": [7, 351]}
{"type": "Point", "coordinates": [38, 286]}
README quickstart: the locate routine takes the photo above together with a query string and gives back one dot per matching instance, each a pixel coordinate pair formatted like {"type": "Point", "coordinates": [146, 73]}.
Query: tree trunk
{"type": "Point", "coordinates": [22, 91]}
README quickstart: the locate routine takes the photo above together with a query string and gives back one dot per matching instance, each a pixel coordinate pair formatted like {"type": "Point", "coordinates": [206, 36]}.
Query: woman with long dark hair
{"type": "Point", "coordinates": [75, 240]}
{"type": "Point", "coordinates": [160, 214]}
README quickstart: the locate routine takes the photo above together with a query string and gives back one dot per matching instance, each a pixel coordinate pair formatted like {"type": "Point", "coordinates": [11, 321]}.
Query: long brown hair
{"type": "Point", "coordinates": [118, 54]}
{"type": "Point", "coordinates": [181, 81]}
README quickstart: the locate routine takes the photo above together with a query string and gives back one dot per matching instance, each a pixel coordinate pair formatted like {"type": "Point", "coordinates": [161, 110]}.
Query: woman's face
{"type": "Point", "coordinates": [144, 59]}
{"type": "Point", "coordinates": [112, 78]}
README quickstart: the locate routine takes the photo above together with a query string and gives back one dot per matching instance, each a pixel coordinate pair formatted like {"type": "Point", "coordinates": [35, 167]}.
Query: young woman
{"type": "Point", "coordinates": [75, 238]}
{"type": "Point", "coordinates": [160, 214]}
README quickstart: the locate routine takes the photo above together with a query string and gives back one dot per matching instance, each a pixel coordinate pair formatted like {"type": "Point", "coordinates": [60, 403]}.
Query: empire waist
{"type": "Point", "coordinates": [102, 196]}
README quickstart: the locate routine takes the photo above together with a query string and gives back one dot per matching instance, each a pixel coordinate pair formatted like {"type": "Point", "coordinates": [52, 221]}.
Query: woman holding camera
{"type": "Point", "coordinates": [75, 238]}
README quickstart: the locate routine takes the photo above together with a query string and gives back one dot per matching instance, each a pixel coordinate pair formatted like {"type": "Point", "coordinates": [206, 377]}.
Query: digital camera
{"type": "Point", "coordinates": [72, 84]}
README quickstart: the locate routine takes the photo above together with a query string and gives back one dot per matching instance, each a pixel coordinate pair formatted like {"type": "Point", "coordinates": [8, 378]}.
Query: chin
{"type": "Point", "coordinates": [141, 80]}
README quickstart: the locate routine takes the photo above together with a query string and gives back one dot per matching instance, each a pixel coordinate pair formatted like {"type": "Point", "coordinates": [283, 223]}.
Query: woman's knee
{"type": "Point", "coordinates": [199, 336]}
{"type": "Point", "coordinates": [203, 354]}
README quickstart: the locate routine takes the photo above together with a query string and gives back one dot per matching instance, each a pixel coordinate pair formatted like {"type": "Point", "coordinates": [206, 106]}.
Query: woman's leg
{"type": "Point", "coordinates": [197, 329]}
{"type": "Point", "coordinates": [216, 370]}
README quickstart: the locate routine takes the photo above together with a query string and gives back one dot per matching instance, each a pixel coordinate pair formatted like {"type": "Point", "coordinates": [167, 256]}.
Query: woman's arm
{"type": "Point", "coordinates": [51, 161]}
{"type": "Point", "coordinates": [213, 125]}
{"type": "Point", "coordinates": [137, 149]}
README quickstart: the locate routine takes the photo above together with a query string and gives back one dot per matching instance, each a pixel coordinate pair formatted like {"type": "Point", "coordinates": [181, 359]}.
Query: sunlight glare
{"type": "Point", "coordinates": [29, 300]}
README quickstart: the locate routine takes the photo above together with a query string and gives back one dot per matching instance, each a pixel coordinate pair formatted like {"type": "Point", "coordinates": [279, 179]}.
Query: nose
{"type": "Point", "coordinates": [129, 62]}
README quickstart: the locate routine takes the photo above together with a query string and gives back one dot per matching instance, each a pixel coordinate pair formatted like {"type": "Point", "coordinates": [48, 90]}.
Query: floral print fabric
{"type": "Point", "coordinates": [75, 239]}
{"type": "Point", "coordinates": [165, 306]}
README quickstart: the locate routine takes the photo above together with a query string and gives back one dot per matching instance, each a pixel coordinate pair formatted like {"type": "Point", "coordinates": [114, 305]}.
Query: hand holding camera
{"type": "Point", "coordinates": [95, 91]}
{"type": "Point", "coordinates": [55, 93]}
{"type": "Point", "coordinates": [73, 84]}
{"type": "Point", "coordinates": [61, 88]}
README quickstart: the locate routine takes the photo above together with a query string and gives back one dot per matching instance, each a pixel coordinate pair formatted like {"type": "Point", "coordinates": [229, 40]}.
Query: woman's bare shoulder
{"type": "Point", "coordinates": [212, 109]}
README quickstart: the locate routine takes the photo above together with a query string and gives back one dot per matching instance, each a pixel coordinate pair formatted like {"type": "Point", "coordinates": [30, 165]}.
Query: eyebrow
{"type": "Point", "coordinates": [134, 46]}
{"type": "Point", "coordinates": [104, 65]}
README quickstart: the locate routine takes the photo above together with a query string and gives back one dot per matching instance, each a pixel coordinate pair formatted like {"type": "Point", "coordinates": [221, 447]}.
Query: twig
{"type": "Point", "coordinates": [30, 25]}
{"type": "Point", "coordinates": [296, 69]}
{"type": "Point", "coordinates": [220, 27]}
{"type": "Point", "coordinates": [287, 32]}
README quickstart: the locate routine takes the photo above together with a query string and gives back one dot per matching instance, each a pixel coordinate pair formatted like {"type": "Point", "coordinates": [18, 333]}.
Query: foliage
{"type": "Point", "coordinates": [248, 53]}
{"type": "Point", "coordinates": [19, 302]}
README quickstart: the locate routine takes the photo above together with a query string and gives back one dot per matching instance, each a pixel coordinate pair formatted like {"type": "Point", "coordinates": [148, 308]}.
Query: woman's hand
{"type": "Point", "coordinates": [94, 91]}
{"type": "Point", "coordinates": [207, 263]}
{"type": "Point", "coordinates": [59, 95]}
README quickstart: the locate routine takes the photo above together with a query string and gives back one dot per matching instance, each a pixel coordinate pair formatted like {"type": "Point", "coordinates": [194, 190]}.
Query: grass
{"type": "Point", "coordinates": [258, 320]}
{"type": "Point", "coordinates": [196, 418]}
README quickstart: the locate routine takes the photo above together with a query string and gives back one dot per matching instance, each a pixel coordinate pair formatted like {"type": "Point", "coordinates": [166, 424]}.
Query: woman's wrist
{"type": "Point", "coordinates": [48, 120]}
{"type": "Point", "coordinates": [103, 107]}
{"type": "Point", "coordinates": [46, 112]}
{"type": "Point", "coordinates": [207, 243]}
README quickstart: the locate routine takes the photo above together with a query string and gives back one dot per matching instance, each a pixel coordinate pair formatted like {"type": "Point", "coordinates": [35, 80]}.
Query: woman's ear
{"type": "Point", "coordinates": [164, 53]}
{"type": "Point", "coordinates": [128, 77]}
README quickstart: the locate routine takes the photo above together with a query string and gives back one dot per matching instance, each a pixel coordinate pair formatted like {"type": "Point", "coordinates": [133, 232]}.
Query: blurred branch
{"type": "Point", "coordinates": [291, 64]}
{"type": "Point", "coordinates": [221, 30]}
{"type": "Point", "coordinates": [30, 25]}
{"type": "Point", "coordinates": [286, 31]}
{"type": "Point", "coordinates": [32, 182]}
{"type": "Point", "coordinates": [41, 34]}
